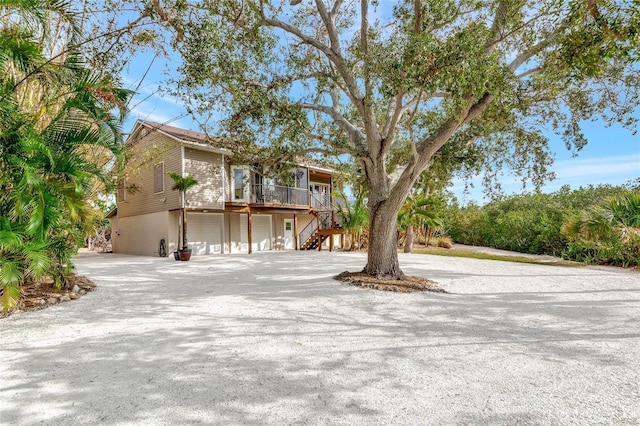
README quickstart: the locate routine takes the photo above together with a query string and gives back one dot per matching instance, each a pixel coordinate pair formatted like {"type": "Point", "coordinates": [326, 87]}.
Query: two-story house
{"type": "Point", "coordinates": [232, 209]}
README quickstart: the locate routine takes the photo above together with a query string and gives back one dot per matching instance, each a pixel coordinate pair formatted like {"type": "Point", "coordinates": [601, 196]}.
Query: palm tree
{"type": "Point", "coordinates": [354, 217]}
{"type": "Point", "coordinates": [417, 211]}
{"type": "Point", "coordinates": [182, 184]}
{"type": "Point", "coordinates": [619, 217]}
{"type": "Point", "coordinates": [52, 113]}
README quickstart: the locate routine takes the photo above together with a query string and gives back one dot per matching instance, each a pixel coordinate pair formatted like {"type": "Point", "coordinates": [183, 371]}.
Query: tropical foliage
{"type": "Point", "coordinates": [593, 224]}
{"type": "Point", "coordinates": [354, 217]}
{"type": "Point", "coordinates": [606, 233]}
{"type": "Point", "coordinates": [423, 213]}
{"type": "Point", "coordinates": [57, 130]}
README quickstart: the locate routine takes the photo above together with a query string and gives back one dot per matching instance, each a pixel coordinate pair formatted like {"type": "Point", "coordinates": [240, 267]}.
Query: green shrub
{"type": "Point", "coordinates": [539, 223]}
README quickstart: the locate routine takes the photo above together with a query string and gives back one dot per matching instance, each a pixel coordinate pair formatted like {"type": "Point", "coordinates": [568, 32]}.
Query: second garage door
{"type": "Point", "coordinates": [260, 232]}
{"type": "Point", "coordinates": [204, 231]}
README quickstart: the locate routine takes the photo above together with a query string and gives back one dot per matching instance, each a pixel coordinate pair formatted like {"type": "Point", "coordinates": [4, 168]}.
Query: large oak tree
{"type": "Point", "coordinates": [437, 80]}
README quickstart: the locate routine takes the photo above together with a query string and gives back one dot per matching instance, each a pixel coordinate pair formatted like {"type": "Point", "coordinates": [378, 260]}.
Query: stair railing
{"type": "Point", "coordinates": [321, 202]}
{"type": "Point", "coordinates": [307, 232]}
{"type": "Point", "coordinates": [326, 218]}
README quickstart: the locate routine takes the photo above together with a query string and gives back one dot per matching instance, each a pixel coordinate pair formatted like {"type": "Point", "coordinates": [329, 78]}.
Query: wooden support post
{"type": "Point", "coordinates": [295, 232]}
{"type": "Point", "coordinates": [249, 230]}
{"type": "Point", "coordinates": [330, 242]}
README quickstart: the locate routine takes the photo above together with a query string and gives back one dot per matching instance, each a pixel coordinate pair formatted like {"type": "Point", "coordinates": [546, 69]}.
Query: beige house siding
{"type": "Point", "coordinates": [319, 179]}
{"type": "Point", "coordinates": [115, 241]}
{"type": "Point", "coordinates": [144, 154]}
{"type": "Point", "coordinates": [174, 242]}
{"type": "Point", "coordinates": [227, 181]}
{"type": "Point", "coordinates": [140, 234]}
{"type": "Point", "coordinates": [303, 221]}
{"type": "Point", "coordinates": [206, 168]}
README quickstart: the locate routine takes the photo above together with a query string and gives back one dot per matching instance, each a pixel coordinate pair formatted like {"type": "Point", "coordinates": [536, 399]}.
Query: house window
{"type": "Point", "coordinates": [239, 184]}
{"type": "Point", "coordinates": [158, 178]}
{"type": "Point", "coordinates": [238, 180]}
{"type": "Point", "coordinates": [122, 193]}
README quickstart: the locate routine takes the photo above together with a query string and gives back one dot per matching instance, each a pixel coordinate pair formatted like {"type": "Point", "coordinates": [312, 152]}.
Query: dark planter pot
{"type": "Point", "coordinates": [185, 254]}
{"type": "Point", "coordinates": [176, 255]}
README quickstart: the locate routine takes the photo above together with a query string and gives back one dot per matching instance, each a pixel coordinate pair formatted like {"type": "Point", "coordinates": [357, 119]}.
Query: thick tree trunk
{"type": "Point", "coordinates": [408, 242]}
{"type": "Point", "coordinates": [382, 255]}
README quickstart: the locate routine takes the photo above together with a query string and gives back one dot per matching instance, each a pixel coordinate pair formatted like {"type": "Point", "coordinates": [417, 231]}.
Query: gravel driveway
{"type": "Point", "coordinates": [270, 338]}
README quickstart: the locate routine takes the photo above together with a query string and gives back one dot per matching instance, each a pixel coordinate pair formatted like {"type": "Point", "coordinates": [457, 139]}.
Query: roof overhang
{"type": "Point", "coordinates": [193, 144]}
{"type": "Point", "coordinates": [200, 146]}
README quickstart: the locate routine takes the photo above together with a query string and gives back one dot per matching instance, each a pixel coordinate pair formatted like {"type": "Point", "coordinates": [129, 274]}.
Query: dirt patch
{"type": "Point", "coordinates": [410, 284]}
{"type": "Point", "coordinates": [40, 294]}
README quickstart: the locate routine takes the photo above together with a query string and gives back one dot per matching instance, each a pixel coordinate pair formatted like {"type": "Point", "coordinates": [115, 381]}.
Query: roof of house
{"type": "Point", "coordinates": [203, 141]}
{"type": "Point", "coordinates": [186, 137]}
{"type": "Point", "coordinates": [177, 132]}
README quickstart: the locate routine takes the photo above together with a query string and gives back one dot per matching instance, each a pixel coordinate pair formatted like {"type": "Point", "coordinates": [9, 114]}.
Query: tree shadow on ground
{"type": "Point", "coordinates": [273, 340]}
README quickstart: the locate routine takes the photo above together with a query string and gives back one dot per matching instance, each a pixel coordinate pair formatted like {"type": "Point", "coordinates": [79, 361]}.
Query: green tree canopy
{"type": "Point", "coordinates": [452, 81]}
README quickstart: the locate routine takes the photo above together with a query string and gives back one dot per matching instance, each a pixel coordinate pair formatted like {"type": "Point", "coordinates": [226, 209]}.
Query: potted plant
{"type": "Point", "coordinates": [182, 184]}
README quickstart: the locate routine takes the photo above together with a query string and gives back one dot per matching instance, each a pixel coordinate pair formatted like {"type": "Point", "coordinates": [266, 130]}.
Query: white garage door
{"type": "Point", "coordinates": [204, 231]}
{"type": "Point", "coordinates": [260, 232]}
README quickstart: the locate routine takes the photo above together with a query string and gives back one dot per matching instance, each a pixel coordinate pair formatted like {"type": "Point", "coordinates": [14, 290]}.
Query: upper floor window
{"type": "Point", "coordinates": [158, 178]}
{"type": "Point", "coordinates": [239, 184]}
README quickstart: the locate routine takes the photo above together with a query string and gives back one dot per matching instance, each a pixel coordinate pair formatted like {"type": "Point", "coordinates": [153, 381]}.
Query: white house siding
{"type": "Point", "coordinates": [140, 234]}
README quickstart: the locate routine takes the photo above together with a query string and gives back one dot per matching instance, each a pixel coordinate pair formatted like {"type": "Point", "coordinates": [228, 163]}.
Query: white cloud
{"type": "Point", "coordinates": [596, 169]}
{"type": "Point", "coordinates": [613, 170]}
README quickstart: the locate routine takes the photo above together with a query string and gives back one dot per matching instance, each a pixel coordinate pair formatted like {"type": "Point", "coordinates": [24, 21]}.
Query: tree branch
{"type": "Point", "coordinates": [537, 48]}
{"type": "Point", "coordinates": [430, 145]}
{"type": "Point", "coordinates": [376, 145]}
{"type": "Point", "coordinates": [353, 90]}
{"type": "Point", "coordinates": [417, 25]}
{"type": "Point", "coordinates": [602, 23]}
{"type": "Point", "coordinates": [335, 8]}
{"type": "Point", "coordinates": [168, 18]}
{"type": "Point", "coordinates": [330, 25]}
{"type": "Point", "coordinates": [394, 112]}
{"type": "Point", "coordinates": [340, 120]}
{"type": "Point", "coordinates": [337, 148]}
{"type": "Point", "coordinates": [529, 72]}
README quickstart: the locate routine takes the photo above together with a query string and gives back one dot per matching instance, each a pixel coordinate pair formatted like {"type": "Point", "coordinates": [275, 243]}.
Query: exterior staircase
{"type": "Point", "coordinates": [326, 224]}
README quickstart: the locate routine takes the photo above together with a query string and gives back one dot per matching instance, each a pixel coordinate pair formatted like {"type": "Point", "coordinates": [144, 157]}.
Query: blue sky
{"type": "Point", "coordinates": [612, 155]}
